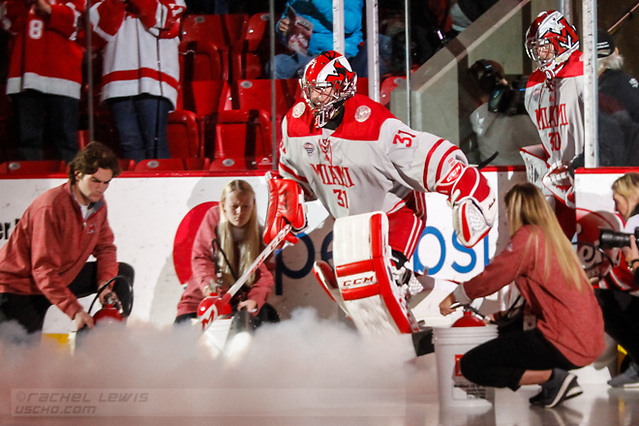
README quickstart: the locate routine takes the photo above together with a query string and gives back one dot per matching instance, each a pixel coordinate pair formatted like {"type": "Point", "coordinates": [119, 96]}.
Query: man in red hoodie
{"type": "Point", "coordinates": [45, 260]}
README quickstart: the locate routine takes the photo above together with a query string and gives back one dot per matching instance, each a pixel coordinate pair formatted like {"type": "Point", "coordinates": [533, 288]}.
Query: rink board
{"type": "Point", "coordinates": [145, 213]}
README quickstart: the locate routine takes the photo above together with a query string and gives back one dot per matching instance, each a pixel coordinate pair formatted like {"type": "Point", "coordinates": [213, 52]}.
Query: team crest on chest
{"type": "Point", "coordinates": [325, 145]}
{"type": "Point", "coordinates": [362, 113]}
{"type": "Point", "coordinates": [310, 148]}
{"type": "Point", "coordinates": [536, 94]}
{"type": "Point", "coordinates": [298, 109]}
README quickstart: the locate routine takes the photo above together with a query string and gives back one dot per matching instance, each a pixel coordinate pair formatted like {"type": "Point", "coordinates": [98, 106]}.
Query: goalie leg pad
{"type": "Point", "coordinates": [326, 277]}
{"type": "Point", "coordinates": [362, 260]}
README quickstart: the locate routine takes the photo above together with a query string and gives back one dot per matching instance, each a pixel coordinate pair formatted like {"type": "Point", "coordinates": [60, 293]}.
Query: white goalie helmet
{"type": "Point", "coordinates": [550, 29]}
{"type": "Point", "coordinates": [329, 70]}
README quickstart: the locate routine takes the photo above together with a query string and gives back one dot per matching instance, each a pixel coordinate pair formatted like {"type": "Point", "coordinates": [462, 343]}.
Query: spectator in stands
{"type": "Point", "coordinates": [465, 12]}
{"type": "Point", "coordinates": [613, 81]}
{"type": "Point", "coordinates": [430, 30]}
{"type": "Point", "coordinates": [45, 74]}
{"type": "Point", "coordinates": [227, 242]}
{"type": "Point", "coordinates": [618, 107]}
{"type": "Point", "coordinates": [500, 123]}
{"type": "Point", "coordinates": [45, 260]}
{"type": "Point", "coordinates": [318, 15]}
{"type": "Point", "coordinates": [140, 74]}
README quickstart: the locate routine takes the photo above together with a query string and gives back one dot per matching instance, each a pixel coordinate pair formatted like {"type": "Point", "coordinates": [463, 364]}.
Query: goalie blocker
{"type": "Point", "coordinates": [362, 283]}
{"type": "Point", "coordinates": [285, 207]}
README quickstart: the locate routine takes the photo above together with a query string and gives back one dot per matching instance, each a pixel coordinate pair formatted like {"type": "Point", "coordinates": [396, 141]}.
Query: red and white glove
{"type": "Point", "coordinates": [473, 202]}
{"type": "Point", "coordinates": [558, 180]}
{"type": "Point", "coordinates": [285, 206]}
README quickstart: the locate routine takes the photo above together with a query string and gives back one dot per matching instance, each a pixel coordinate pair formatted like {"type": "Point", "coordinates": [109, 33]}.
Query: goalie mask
{"type": "Point", "coordinates": [327, 82]}
{"type": "Point", "coordinates": [550, 41]}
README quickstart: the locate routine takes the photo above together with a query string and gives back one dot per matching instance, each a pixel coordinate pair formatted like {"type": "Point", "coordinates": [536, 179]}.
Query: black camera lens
{"type": "Point", "coordinates": [610, 239]}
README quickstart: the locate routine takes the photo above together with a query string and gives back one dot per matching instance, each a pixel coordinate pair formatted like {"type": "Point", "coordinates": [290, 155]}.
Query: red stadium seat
{"type": "Point", "coordinates": [256, 31]}
{"type": "Point", "coordinates": [126, 164]}
{"type": "Point", "coordinates": [204, 28]}
{"type": "Point", "coordinates": [388, 85]}
{"type": "Point", "coordinates": [202, 77]}
{"type": "Point", "coordinates": [160, 165]}
{"type": "Point", "coordinates": [242, 141]}
{"type": "Point", "coordinates": [202, 97]}
{"type": "Point", "coordinates": [245, 65]}
{"type": "Point", "coordinates": [183, 134]}
{"type": "Point", "coordinates": [250, 53]}
{"type": "Point", "coordinates": [197, 163]}
{"type": "Point", "coordinates": [201, 60]}
{"type": "Point", "coordinates": [221, 29]}
{"type": "Point", "coordinates": [83, 138]}
{"type": "Point", "coordinates": [235, 27]}
{"type": "Point", "coordinates": [42, 167]}
{"type": "Point", "coordinates": [256, 94]}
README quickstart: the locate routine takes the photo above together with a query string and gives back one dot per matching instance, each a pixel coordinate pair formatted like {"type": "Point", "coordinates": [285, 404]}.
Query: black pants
{"type": "Point", "coordinates": [30, 311]}
{"type": "Point", "coordinates": [501, 362]}
{"type": "Point", "coordinates": [61, 113]}
{"type": "Point", "coordinates": [621, 316]}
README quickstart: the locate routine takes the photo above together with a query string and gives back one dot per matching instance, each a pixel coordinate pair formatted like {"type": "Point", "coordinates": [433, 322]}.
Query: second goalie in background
{"type": "Point", "coordinates": [353, 155]}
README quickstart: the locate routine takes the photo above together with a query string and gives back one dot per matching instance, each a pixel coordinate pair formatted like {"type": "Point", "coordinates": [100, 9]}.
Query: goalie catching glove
{"type": "Point", "coordinates": [285, 206]}
{"type": "Point", "coordinates": [558, 180]}
{"type": "Point", "coordinates": [473, 202]}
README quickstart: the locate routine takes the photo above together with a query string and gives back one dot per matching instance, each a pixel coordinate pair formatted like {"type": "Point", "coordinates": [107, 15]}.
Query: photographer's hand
{"type": "Point", "coordinates": [631, 254]}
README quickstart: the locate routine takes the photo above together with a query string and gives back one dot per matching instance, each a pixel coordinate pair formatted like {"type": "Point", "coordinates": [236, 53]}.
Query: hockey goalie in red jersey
{"type": "Point", "coordinates": [370, 171]}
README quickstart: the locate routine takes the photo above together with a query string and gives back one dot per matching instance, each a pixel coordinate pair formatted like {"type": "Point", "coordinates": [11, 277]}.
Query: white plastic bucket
{"type": "Point", "coordinates": [450, 344]}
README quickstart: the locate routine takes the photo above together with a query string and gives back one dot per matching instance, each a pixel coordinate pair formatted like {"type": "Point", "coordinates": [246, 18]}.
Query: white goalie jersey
{"type": "Point", "coordinates": [556, 107]}
{"type": "Point", "coordinates": [371, 162]}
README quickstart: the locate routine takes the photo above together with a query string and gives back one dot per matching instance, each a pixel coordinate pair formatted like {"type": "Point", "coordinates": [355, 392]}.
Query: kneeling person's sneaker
{"type": "Point", "coordinates": [561, 386]}
{"type": "Point", "coordinates": [627, 379]}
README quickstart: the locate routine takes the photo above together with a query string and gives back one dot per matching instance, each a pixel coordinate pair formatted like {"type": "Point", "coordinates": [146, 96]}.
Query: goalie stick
{"type": "Point", "coordinates": [216, 303]}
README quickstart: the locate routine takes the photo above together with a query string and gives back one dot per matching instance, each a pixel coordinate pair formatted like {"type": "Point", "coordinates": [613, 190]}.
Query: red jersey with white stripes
{"type": "Point", "coordinates": [370, 162]}
{"type": "Point", "coordinates": [44, 54]}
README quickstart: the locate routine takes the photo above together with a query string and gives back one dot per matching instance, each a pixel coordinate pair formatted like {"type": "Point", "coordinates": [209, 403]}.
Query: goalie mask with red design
{"type": "Point", "coordinates": [327, 82]}
{"type": "Point", "coordinates": [550, 41]}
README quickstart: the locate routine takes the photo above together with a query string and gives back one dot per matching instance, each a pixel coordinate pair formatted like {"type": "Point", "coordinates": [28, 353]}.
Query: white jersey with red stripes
{"type": "Point", "coordinates": [141, 39]}
{"type": "Point", "coordinates": [370, 162]}
{"type": "Point", "coordinates": [556, 107]}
